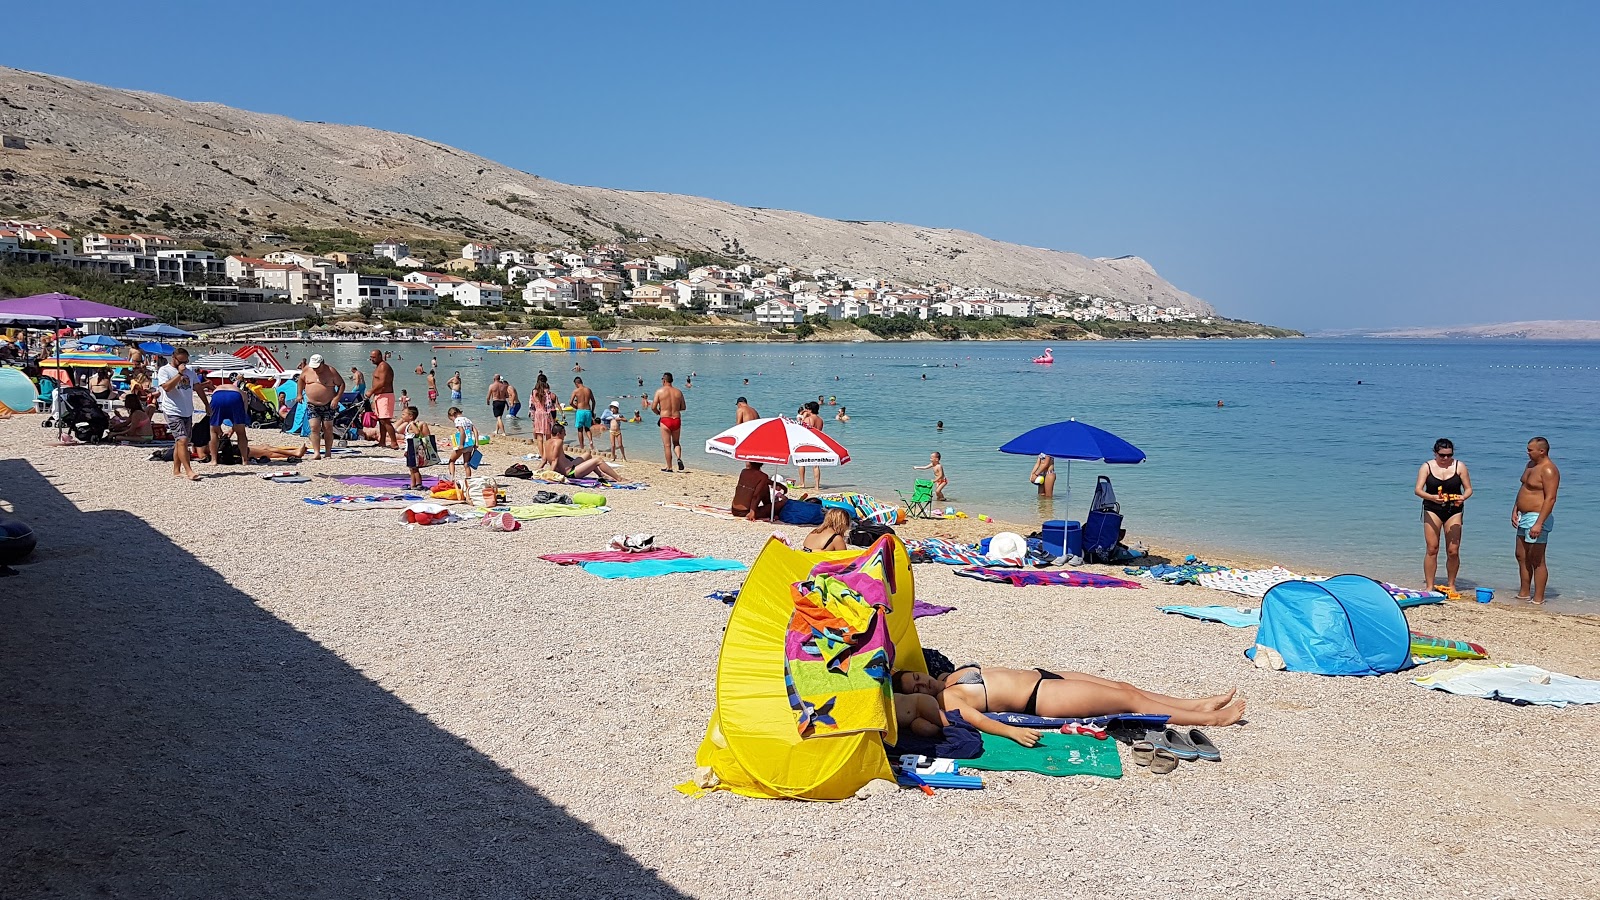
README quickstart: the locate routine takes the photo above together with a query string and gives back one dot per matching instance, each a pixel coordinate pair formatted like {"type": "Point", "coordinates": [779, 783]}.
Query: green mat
{"type": "Point", "coordinates": [1056, 754]}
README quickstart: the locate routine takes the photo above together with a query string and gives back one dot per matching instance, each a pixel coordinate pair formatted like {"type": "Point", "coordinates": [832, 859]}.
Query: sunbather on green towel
{"type": "Point", "coordinates": [976, 690]}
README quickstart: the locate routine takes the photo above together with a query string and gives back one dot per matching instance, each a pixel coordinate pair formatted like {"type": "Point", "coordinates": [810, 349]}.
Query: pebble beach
{"type": "Point", "coordinates": [214, 689]}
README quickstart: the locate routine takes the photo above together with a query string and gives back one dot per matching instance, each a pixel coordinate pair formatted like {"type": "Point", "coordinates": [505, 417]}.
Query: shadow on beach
{"type": "Point", "coordinates": [164, 736]}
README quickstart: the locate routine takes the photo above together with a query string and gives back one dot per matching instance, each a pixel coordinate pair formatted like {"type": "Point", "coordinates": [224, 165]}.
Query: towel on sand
{"type": "Point", "coordinates": [1513, 683]}
{"type": "Point", "coordinates": [1232, 616]}
{"type": "Point", "coordinates": [919, 609]}
{"type": "Point", "coordinates": [648, 568]}
{"type": "Point", "coordinates": [552, 511]}
{"type": "Point", "coordinates": [1056, 754]}
{"type": "Point", "coordinates": [1064, 578]}
{"type": "Point", "coordinates": [837, 651]}
{"type": "Point", "coordinates": [619, 556]}
{"type": "Point", "coordinates": [371, 501]}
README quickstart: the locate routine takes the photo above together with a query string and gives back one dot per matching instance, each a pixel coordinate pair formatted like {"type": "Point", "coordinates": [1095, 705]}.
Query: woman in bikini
{"type": "Point", "coordinates": [556, 458]}
{"type": "Point", "coordinates": [976, 690]}
{"type": "Point", "coordinates": [1444, 486]}
{"type": "Point", "coordinates": [831, 534]}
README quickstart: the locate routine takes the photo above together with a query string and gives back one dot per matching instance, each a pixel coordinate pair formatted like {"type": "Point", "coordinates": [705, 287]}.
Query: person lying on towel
{"type": "Point", "coordinates": [975, 690]}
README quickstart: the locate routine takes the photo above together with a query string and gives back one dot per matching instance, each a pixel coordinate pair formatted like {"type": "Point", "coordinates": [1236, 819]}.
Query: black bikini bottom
{"type": "Point", "coordinates": [1032, 708]}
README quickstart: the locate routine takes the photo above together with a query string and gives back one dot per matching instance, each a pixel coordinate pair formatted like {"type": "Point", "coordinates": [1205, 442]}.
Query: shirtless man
{"type": "Point", "coordinates": [668, 403]}
{"type": "Point", "coordinates": [433, 387]}
{"type": "Point", "coordinates": [382, 394]}
{"type": "Point", "coordinates": [1533, 519]}
{"type": "Point", "coordinates": [499, 396]}
{"type": "Point", "coordinates": [744, 412]}
{"type": "Point", "coordinates": [582, 412]}
{"type": "Point", "coordinates": [454, 384]}
{"type": "Point", "coordinates": [321, 385]}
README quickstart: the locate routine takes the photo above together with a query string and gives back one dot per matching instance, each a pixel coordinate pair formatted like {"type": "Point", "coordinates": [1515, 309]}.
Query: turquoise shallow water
{"type": "Point", "coordinates": [1302, 465]}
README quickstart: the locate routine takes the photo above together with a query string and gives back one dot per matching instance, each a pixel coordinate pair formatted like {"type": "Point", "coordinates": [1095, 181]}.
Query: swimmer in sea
{"type": "Point", "coordinates": [939, 425]}
{"type": "Point", "coordinates": [841, 416]}
{"type": "Point", "coordinates": [1219, 404]}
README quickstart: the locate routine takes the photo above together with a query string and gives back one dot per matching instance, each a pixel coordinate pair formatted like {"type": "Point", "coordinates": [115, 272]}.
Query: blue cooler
{"type": "Point", "coordinates": [1062, 538]}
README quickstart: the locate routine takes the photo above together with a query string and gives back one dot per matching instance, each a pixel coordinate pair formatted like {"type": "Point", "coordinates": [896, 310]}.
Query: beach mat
{"type": "Point", "coordinates": [616, 556]}
{"type": "Point", "coordinates": [649, 568]}
{"type": "Point", "coordinates": [1027, 578]}
{"type": "Point", "coordinates": [1231, 616]}
{"type": "Point", "coordinates": [1057, 754]}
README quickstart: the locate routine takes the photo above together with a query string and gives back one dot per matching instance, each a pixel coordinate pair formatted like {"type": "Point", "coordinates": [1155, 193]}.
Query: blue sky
{"type": "Point", "coordinates": [1341, 165]}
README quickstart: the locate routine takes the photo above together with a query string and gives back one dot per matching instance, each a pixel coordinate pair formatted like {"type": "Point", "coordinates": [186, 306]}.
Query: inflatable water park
{"type": "Point", "coordinates": [553, 341]}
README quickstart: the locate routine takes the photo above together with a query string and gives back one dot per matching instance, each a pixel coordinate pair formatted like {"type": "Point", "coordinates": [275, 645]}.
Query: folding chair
{"type": "Point", "coordinates": [921, 497]}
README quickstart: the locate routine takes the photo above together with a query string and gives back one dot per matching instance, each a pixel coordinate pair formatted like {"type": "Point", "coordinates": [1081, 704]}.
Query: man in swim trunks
{"type": "Point", "coordinates": [668, 403]}
{"type": "Point", "coordinates": [582, 412]}
{"type": "Point", "coordinates": [382, 394]}
{"type": "Point", "coordinates": [499, 396]}
{"type": "Point", "coordinates": [321, 385]}
{"type": "Point", "coordinates": [454, 384]}
{"type": "Point", "coordinates": [744, 412]}
{"type": "Point", "coordinates": [1533, 518]}
{"type": "Point", "coordinates": [433, 387]}
{"type": "Point", "coordinates": [228, 411]}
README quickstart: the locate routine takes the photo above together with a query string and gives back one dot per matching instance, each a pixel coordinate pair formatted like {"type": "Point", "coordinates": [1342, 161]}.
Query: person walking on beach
{"type": "Point", "coordinates": [668, 403]}
{"type": "Point", "coordinates": [499, 394]}
{"type": "Point", "coordinates": [744, 412]}
{"type": "Point", "coordinates": [321, 385]}
{"type": "Point", "coordinates": [936, 463]}
{"type": "Point", "coordinates": [177, 382]}
{"type": "Point", "coordinates": [383, 399]}
{"type": "Point", "coordinates": [1444, 486]}
{"type": "Point", "coordinates": [1533, 516]}
{"type": "Point", "coordinates": [433, 387]}
{"type": "Point", "coordinates": [582, 412]}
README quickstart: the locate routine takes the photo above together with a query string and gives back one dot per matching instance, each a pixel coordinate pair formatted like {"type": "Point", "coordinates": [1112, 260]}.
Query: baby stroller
{"type": "Point", "coordinates": [262, 415]}
{"type": "Point", "coordinates": [347, 421]}
{"type": "Point", "coordinates": [79, 414]}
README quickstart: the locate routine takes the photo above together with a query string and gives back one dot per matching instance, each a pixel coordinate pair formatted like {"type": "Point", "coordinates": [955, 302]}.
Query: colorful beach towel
{"type": "Point", "coordinates": [650, 568]}
{"type": "Point", "coordinates": [400, 481]}
{"type": "Point", "coordinates": [619, 556]}
{"type": "Point", "coordinates": [1428, 645]}
{"type": "Point", "coordinates": [552, 511]}
{"type": "Point", "coordinates": [1522, 685]}
{"type": "Point", "coordinates": [369, 501]}
{"type": "Point", "coordinates": [863, 508]}
{"type": "Point", "coordinates": [1055, 754]}
{"type": "Point", "coordinates": [941, 550]}
{"type": "Point", "coordinates": [716, 512]}
{"type": "Point", "coordinates": [1248, 582]}
{"type": "Point", "coordinates": [919, 609]}
{"type": "Point", "coordinates": [837, 651]}
{"type": "Point", "coordinates": [1185, 573]}
{"type": "Point", "coordinates": [1231, 616]}
{"type": "Point", "coordinates": [1069, 578]}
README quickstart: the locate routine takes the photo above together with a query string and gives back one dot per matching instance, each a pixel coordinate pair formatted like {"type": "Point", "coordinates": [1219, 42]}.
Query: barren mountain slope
{"type": "Point", "coordinates": [87, 145]}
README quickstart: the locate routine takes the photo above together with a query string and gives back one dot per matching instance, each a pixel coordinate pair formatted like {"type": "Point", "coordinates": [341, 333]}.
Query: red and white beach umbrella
{"type": "Point", "coordinates": [779, 442]}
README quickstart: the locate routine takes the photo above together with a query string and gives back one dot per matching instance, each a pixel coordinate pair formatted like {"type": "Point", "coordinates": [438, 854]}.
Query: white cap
{"type": "Point", "coordinates": [316, 360]}
{"type": "Point", "coordinates": [614, 405]}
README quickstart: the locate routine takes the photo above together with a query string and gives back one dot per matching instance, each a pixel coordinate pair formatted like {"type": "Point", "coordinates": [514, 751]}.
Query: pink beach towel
{"type": "Point", "coordinates": [574, 559]}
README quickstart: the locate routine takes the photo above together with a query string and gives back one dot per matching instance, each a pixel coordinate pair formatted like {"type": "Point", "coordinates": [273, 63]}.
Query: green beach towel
{"type": "Point", "coordinates": [1057, 754]}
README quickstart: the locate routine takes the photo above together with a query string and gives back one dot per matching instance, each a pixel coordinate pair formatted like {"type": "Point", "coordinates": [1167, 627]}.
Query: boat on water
{"type": "Point", "coordinates": [648, 349]}
{"type": "Point", "coordinates": [1047, 359]}
{"type": "Point", "coordinates": [455, 346]}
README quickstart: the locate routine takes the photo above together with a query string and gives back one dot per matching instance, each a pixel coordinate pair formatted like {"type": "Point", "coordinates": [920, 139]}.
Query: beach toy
{"type": "Point", "coordinates": [586, 499]}
{"type": "Point", "coordinates": [1485, 594]}
{"type": "Point", "coordinates": [949, 510]}
{"type": "Point", "coordinates": [483, 440]}
{"type": "Point", "coordinates": [982, 517]}
{"type": "Point", "coordinates": [960, 514]}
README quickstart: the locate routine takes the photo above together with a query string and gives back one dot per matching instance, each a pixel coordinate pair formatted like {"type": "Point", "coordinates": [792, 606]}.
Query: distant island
{"type": "Point", "coordinates": [1539, 330]}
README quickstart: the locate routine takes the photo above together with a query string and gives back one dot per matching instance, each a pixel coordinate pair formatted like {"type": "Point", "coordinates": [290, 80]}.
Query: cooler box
{"type": "Point", "coordinates": [1102, 531]}
{"type": "Point", "coordinates": [1062, 538]}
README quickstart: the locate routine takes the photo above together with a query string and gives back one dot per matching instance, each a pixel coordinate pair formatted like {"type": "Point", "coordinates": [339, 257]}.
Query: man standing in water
{"type": "Point", "coordinates": [499, 395]}
{"type": "Point", "coordinates": [582, 412]}
{"type": "Point", "coordinates": [382, 394]}
{"type": "Point", "coordinates": [1533, 518]}
{"type": "Point", "coordinates": [669, 404]}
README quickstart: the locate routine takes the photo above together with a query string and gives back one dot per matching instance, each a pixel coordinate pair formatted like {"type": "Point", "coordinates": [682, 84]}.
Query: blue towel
{"type": "Point", "coordinates": [959, 741]}
{"type": "Point", "coordinates": [647, 568]}
{"type": "Point", "coordinates": [1231, 616]}
{"type": "Point", "coordinates": [1119, 720]}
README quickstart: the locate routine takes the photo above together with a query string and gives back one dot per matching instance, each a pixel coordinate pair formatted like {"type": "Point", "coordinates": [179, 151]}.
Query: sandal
{"type": "Point", "coordinates": [1202, 745]}
{"type": "Point", "coordinates": [1142, 752]}
{"type": "Point", "coordinates": [1163, 761]}
{"type": "Point", "coordinates": [1175, 742]}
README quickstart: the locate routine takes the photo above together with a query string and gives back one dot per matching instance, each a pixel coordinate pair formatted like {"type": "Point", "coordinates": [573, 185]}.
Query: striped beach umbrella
{"type": "Point", "coordinates": [88, 359]}
{"type": "Point", "coordinates": [219, 362]}
{"type": "Point", "coordinates": [780, 442]}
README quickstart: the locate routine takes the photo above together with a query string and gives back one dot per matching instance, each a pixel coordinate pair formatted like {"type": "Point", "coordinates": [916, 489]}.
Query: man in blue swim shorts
{"type": "Point", "coordinates": [582, 412]}
{"type": "Point", "coordinates": [1533, 516]}
{"type": "Point", "coordinates": [228, 412]}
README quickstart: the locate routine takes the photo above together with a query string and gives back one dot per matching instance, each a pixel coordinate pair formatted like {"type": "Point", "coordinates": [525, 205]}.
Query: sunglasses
{"type": "Point", "coordinates": [1445, 455]}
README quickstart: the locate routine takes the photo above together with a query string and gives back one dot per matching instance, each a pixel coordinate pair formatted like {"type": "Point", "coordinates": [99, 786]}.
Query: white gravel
{"type": "Point", "coordinates": [215, 690]}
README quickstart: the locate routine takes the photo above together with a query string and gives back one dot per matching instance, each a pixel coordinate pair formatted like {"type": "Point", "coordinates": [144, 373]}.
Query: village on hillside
{"type": "Point", "coordinates": [601, 278]}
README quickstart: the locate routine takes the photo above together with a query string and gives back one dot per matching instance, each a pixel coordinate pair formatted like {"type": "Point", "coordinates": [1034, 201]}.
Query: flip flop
{"type": "Point", "coordinates": [1163, 761]}
{"type": "Point", "coordinates": [1175, 742]}
{"type": "Point", "coordinates": [1142, 752]}
{"type": "Point", "coordinates": [1203, 746]}
{"type": "Point", "coordinates": [680, 465]}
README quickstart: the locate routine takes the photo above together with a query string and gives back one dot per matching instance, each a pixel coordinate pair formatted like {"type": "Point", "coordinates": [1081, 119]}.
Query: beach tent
{"type": "Point", "coordinates": [752, 745]}
{"type": "Point", "coordinates": [1347, 625]}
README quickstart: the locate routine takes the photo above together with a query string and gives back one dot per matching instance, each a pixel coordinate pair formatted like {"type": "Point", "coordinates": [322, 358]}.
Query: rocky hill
{"type": "Point", "coordinates": [1538, 330]}
{"type": "Point", "coordinates": [102, 158]}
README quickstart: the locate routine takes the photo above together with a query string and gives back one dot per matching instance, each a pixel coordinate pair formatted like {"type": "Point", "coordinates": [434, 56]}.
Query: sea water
{"type": "Point", "coordinates": [1309, 462]}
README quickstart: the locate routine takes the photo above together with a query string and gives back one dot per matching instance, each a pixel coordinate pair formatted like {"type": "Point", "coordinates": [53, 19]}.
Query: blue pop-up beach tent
{"type": "Point", "coordinates": [1347, 625]}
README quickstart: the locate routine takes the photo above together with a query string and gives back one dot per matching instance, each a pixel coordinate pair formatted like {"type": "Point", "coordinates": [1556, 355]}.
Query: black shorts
{"type": "Point", "coordinates": [499, 407]}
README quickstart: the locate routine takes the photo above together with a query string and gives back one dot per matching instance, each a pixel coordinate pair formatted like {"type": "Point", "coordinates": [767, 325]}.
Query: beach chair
{"type": "Point", "coordinates": [920, 499]}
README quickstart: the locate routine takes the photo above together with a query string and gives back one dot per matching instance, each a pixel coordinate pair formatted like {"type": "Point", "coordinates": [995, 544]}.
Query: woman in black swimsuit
{"type": "Point", "coordinates": [976, 690]}
{"type": "Point", "coordinates": [1444, 486]}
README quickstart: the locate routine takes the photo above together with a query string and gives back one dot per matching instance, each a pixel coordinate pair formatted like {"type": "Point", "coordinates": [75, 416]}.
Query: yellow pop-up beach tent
{"type": "Point", "coordinates": [752, 746]}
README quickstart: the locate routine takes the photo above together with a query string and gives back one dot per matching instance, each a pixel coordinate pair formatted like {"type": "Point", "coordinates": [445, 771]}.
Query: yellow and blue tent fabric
{"type": "Point", "coordinates": [752, 745]}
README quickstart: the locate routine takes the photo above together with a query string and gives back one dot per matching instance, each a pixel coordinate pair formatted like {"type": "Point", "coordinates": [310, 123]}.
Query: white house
{"type": "Point", "coordinates": [666, 264]}
{"type": "Point", "coordinates": [10, 241]}
{"type": "Point", "coordinates": [411, 262]}
{"type": "Point", "coordinates": [391, 249]}
{"type": "Point", "coordinates": [513, 257]}
{"type": "Point", "coordinates": [556, 292]}
{"type": "Point", "coordinates": [779, 312]}
{"type": "Point", "coordinates": [413, 294]}
{"type": "Point", "coordinates": [479, 293]}
{"type": "Point", "coordinates": [482, 254]}
{"type": "Point", "coordinates": [717, 297]}
{"type": "Point", "coordinates": [351, 290]}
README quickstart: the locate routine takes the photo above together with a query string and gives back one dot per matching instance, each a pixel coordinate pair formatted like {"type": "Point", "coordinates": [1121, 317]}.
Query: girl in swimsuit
{"type": "Point", "coordinates": [1444, 486]}
{"type": "Point", "coordinates": [976, 690]}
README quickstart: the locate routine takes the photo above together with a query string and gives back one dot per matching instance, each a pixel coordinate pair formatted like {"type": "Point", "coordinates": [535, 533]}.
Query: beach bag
{"type": "Point", "coordinates": [424, 450]}
{"type": "Point", "coordinates": [865, 534]}
{"type": "Point", "coordinates": [228, 453]}
{"type": "Point", "coordinates": [518, 470]}
{"type": "Point", "coordinates": [801, 512]}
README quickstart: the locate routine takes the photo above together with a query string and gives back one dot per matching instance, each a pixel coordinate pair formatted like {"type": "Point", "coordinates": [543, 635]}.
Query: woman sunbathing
{"type": "Point", "coordinates": [556, 458]}
{"type": "Point", "coordinates": [976, 690]}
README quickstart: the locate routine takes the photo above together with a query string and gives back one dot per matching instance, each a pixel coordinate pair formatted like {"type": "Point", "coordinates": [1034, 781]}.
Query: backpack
{"type": "Point", "coordinates": [865, 534]}
{"type": "Point", "coordinates": [518, 470]}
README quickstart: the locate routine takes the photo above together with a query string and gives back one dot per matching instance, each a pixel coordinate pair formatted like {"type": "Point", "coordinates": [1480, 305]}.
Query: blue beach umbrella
{"type": "Point", "coordinates": [156, 347]}
{"type": "Point", "coordinates": [1072, 440]}
{"type": "Point", "coordinates": [98, 340]}
{"type": "Point", "coordinates": [158, 330]}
